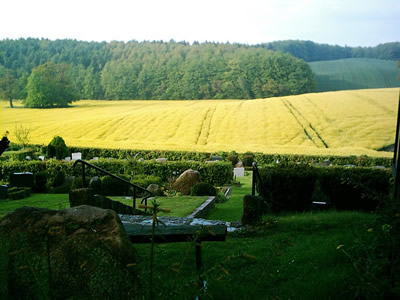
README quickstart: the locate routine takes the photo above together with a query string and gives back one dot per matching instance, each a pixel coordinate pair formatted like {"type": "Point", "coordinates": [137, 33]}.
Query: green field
{"type": "Point", "coordinates": [355, 73]}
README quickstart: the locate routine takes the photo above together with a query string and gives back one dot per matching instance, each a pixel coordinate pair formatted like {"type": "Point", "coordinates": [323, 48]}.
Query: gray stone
{"type": "Point", "coordinates": [186, 181]}
{"type": "Point", "coordinates": [239, 164]}
{"type": "Point", "coordinates": [81, 252]}
{"type": "Point", "coordinates": [155, 189]}
{"type": "Point", "coordinates": [161, 160]}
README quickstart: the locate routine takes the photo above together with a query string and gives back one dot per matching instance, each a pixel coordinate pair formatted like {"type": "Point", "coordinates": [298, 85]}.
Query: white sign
{"type": "Point", "coordinates": [77, 155]}
{"type": "Point", "coordinates": [238, 172]}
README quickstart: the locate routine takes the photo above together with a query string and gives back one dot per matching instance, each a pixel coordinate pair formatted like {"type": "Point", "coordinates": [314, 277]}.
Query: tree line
{"type": "Point", "coordinates": [35, 69]}
{"type": "Point", "coordinates": [310, 51]}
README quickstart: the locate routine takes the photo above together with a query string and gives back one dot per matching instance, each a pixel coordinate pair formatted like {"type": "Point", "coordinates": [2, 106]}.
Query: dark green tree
{"type": "Point", "coordinates": [57, 148]}
{"type": "Point", "coordinates": [50, 85]}
{"type": "Point", "coordinates": [8, 86]}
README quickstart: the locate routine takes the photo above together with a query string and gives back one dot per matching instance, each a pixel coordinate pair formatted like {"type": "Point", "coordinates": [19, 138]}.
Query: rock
{"type": "Point", "coordinates": [186, 181]}
{"type": "Point", "coordinates": [155, 189]}
{"type": "Point", "coordinates": [161, 160]}
{"type": "Point", "coordinates": [79, 252]}
{"type": "Point", "coordinates": [239, 164]}
{"type": "Point", "coordinates": [96, 184]}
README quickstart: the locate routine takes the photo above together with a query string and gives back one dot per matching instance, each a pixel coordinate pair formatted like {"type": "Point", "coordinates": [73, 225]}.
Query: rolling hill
{"type": "Point", "coordinates": [355, 73]}
{"type": "Point", "coordinates": [331, 123]}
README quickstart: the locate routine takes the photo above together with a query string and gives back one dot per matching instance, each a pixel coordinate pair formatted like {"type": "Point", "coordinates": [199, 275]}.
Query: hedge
{"type": "Point", "coordinates": [260, 158]}
{"type": "Point", "coordinates": [295, 188]}
{"type": "Point", "coordinates": [214, 173]}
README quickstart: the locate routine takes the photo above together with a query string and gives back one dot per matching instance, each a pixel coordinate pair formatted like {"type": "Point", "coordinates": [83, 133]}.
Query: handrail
{"type": "Point", "coordinates": [150, 194]}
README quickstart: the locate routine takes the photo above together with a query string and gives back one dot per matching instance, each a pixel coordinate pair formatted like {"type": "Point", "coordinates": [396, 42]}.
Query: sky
{"type": "Point", "coordinates": [336, 22]}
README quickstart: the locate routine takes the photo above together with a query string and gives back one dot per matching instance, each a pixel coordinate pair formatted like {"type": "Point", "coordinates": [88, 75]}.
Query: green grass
{"type": "Point", "coordinates": [355, 73]}
{"type": "Point", "coordinates": [296, 257]}
{"type": "Point", "coordinates": [180, 206]}
{"type": "Point", "coordinates": [51, 201]}
{"type": "Point", "coordinates": [231, 210]}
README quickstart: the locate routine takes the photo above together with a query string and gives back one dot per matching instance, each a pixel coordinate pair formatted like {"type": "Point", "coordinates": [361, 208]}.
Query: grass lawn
{"type": "Point", "coordinates": [232, 209]}
{"type": "Point", "coordinates": [52, 201]}
{"type": "Point", "coordinates": [179, 206]}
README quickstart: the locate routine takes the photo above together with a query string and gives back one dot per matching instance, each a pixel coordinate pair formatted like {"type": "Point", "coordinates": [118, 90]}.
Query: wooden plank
{"type": "Point", "coordinates": [139, 233]}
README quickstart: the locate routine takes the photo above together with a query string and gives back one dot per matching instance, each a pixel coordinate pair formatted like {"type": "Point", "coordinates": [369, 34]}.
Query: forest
{"type": "Point", "coordinates": [310, 51]}
{"type": "Point", "coordinates": [171, 70]}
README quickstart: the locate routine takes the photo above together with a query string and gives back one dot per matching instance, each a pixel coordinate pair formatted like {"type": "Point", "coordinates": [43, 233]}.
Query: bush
{"type": "Point", "coordinates": [145, 180]}
{"type": "Point", "coordinates": [77, 183]}
{"type": "Point", "coordinates": [57, 148]}
{"type": "Point", "coordinates": [22, 154]}
{"type": "Point", "coordinates": [203, 189]}
{"type": "Point", "coordinates": [59, 179]}
{"type": "Point", "coordinates": [114, 187]}
{"type": "Point", "coordinates": [248, 159]}
{"type": "Point", "coordinates": [233, 158]}
{"type": "Point", "coordinates": [294, 188]}
{"type": "Point", "coordinates": [16, 193]}
{"type": "Point", "coordinates": [220, 198]}
{"type": "Point", "coordinates": [40, 182]}
{"type": "Point", "coordinates": [96, 184]}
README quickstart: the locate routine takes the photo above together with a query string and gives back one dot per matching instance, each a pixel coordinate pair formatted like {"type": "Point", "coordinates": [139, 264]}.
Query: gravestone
{"type": "Point", "coordinates": [41, 157]}
{"type": "Point", "coordinates": [68, 159]}
{"type": "Point", "coordinates": [186, 181]}
{"type": "Point", "coordinates": [238, 172]}
{"type": "Point", "coordinates": [95, 158]}
{"type": "Point", "coordinates": [21, 180]}
{"type": "Point", "coordinates": [216, 158]}
{"type": "Point", "coordinates": [161, 160]}
{"type": "Point", "coordinates": [3, 192]}
{"type": "Point", "coordinates": [76, 156]}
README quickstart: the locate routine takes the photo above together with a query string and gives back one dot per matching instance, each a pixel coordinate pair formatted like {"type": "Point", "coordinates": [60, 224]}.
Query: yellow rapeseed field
{"type": "Point", "coordinates": [333, 123]}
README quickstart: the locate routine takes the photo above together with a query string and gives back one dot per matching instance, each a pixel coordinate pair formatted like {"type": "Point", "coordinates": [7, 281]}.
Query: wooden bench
{"type": "Point", "coordinates": [139, 230]}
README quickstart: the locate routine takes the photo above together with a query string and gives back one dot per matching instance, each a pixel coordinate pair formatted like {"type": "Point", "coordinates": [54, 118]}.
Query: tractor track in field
{"type": "Point", "coordinates": [372, 102]}
{"type": "Point", "coordinates": [317, 139]}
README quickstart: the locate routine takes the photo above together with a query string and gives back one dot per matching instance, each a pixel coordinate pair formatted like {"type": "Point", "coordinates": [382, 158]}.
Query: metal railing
{"type": "Point", "coordinates": [148, 194]}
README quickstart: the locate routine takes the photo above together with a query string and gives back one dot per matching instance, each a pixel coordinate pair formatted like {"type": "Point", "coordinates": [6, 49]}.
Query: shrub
{"type": "Point", "coordinates": [57, 148]}
{"type": "Point", "coordinates": [220, 198]}
{"type": "Point", "coordinates": [77, 183]}
{"type": "Point", "coordinates": [145, 180]}
{"type": "Point", "coordinates": [114, 187]}
{"type": "Point", "coordinates": [96, 184]}
{"type": "Point", "coordinates": [248, 159]}
{"type": "Point", "coordinates": [22, 154]}
{"type": "Point", "coordinates": [233, 158]}
{"type": "Point", "coordinates": [59, 179]}
{"type": "Point", "coordinates": [203, 189]}
{"type": "Point", "coordinates": [40, 182]}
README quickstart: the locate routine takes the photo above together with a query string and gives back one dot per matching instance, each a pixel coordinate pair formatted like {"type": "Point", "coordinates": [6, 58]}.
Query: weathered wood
{"type": "Point", "coordinates": [139, 233]}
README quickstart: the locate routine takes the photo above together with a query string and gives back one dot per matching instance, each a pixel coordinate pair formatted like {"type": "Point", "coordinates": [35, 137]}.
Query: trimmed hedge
{"type": "Point", "coordinates": [214, 173]}
{"type": "Point", "coordinates": [294, 188]}
{"type": "Point", "coordinates": [260, 158]}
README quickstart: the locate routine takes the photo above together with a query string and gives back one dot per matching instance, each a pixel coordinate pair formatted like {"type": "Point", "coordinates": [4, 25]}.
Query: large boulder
{"type": "Point", "coordinates": [155, 189]}
{"type": "Point", "coordinates": [186, 181]}
{"type": "Point", "coordinates": [80, 252]}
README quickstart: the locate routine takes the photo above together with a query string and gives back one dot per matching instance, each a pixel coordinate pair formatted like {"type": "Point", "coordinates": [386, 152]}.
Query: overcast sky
{"type": "Point", "coordinates": [340, 22]}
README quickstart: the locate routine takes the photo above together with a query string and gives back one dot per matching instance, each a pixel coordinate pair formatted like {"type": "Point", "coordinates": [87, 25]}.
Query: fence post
{"type": "Point", "coordinates": [253, 180]}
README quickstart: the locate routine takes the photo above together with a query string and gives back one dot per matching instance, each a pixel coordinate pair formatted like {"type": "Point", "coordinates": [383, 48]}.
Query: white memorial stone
{"type": "Point", "coordinates": [76, 156]}
{"type": "Point", "coordinates": [238, 172]}
{"type": "Point", "coordinates": [95, 158]}
{"type": "Point", "coordinates": [41, 157]}
{"type": "Point", "coordinates": [68, 158]}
